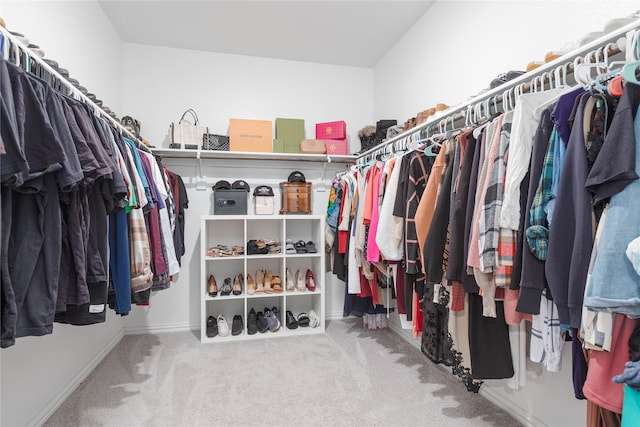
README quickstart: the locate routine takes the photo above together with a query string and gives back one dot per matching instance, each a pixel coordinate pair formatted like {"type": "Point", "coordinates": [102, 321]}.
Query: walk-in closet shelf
{"type": "Point", "coordinates": [211, 154]}
{"type": "Point", "coordinates": [237, 230]}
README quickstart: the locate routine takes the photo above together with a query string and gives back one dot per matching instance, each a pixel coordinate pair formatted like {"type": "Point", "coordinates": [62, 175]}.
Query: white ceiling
{"type": "Point", "coordinates": [353, 33]}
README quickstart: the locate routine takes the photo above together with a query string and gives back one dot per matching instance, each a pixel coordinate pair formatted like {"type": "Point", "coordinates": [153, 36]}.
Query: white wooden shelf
{"type": "Point", "coordinates": [229, 230]}
{"type": "Point", "coordinates": [210, 154]}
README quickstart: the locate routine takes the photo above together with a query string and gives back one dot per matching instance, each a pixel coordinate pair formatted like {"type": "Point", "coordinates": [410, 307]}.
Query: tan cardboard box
{"type": "Point", "coordinates": [250, 135]}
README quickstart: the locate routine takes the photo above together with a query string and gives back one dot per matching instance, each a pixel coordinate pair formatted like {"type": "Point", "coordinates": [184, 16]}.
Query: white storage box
{"type": "Point", "coordinates": [263, 200]}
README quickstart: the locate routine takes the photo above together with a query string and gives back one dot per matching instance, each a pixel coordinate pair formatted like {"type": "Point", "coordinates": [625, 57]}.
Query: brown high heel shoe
{"type": "Point", "coordinates": [213, 286]}
{"type": "Point", "coordinates": [251, 285]}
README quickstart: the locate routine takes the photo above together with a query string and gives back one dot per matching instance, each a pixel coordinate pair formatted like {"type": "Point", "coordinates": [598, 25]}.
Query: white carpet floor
{"type": "Point", "coordinates": [346, 377]}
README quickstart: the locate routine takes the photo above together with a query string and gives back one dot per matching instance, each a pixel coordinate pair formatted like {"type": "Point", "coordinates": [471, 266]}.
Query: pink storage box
{"type": "Point", "coordinates": [337, 146]}
{"type": "Point", "coordinates": [331, 130]}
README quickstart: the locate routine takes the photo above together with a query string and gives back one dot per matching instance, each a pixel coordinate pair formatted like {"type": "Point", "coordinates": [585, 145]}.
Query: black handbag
{"type": "Point", "coordinates": [211, 141]}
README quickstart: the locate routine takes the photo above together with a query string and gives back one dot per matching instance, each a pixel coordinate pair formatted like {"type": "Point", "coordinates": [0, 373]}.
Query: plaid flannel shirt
{"type": "Point", "coordinates": [538, 232]}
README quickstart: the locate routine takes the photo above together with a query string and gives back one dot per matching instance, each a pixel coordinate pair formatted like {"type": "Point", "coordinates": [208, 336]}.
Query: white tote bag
{"type": "Point", "coordinates": [184, 135]}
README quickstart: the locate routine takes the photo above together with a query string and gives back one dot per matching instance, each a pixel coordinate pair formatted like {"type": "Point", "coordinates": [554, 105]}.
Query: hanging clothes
{"type": "Point", "coordinates": [69, 190]}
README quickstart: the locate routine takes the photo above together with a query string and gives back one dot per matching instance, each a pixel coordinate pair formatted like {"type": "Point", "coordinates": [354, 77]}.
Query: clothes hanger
{"type": "Point", "coordinates": [583, 72]}
{"type": "Point", "coordinates": [630, 71]}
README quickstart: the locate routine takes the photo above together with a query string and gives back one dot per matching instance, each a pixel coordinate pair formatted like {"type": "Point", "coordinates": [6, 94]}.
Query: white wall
{"type": "Point", "coordinates": [77, 35]}
{"type": "Point", "coordinates": [37, 371]}
{"type": "Point", "coordinates": [458, 47]}
{"type": "Point", "coordinates": [448, 56]}
{"type": "Point", "coordinates": [160, 83]}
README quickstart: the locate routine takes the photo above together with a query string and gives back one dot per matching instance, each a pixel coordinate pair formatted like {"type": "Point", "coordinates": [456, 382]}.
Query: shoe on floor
{"type": "Point", "coordinates": [292, 323]}
{"type": "Point", "coordinates": [236, 327]}
{"type": "Point", "coordinates": [261, 322]}
{"type": "Point", "coordinates": [223, 327]}
{"type": "Point", "coordinates": [252, 323]}
{"type": "Point", "coordinates": [212, 327]}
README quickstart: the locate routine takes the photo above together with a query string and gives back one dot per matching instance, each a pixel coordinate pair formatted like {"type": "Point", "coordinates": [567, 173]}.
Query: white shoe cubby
{"type": "Point", "coordinates": [237, 230]}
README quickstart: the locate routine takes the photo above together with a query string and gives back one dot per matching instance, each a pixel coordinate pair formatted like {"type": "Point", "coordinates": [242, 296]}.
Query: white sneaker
{"type": "Point", "coordinates": [223, 327]}
{"type": "Point", "coordinates": [314, 320]}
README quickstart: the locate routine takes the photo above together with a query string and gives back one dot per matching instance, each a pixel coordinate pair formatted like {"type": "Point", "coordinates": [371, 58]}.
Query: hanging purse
{"type": "Point", "coordinates": [211, 141]}
{"type": "Point", "coordinates": [184, 135]}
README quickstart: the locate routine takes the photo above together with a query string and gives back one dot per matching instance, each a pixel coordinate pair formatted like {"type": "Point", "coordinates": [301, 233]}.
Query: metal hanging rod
{"type": "Point", "coordinates": [76, 92]}
{"type": "Point", "coordinates": [523, 83]}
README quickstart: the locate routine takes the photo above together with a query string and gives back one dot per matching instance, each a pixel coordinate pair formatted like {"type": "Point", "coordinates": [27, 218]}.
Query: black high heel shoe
{"type": "Point", "coordinates": [226, 288]}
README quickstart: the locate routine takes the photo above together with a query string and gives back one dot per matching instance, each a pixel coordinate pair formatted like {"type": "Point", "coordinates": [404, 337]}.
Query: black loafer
{"type": "Point", "coordinates": [212, 327]}
{"type": "Point", "coordinates": [292, 323]}
{"type": "Point", "coordinates": [252, 323]}
{"type": "Point", "coordinates": [261, 322]}
{"type": "Point", "coordinates": [236, 327]}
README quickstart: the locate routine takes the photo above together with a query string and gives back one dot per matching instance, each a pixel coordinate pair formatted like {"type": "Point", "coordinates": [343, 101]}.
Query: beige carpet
{"type": "Point", "coordinates": [345, 377]}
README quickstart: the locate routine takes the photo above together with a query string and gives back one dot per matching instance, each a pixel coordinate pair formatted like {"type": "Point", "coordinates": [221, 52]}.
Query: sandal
{"type": "Point", "coordinates": [300, 286]}
{"type": "Point", "coordinates": [267, 282]}
{"type": "Point", "coordinates": [290, 285]}
{"type": "Point", "coordinates": [303, 320]}
{"type": "Point", "coordinates": [301, 247]}
{"type": "Point", "coordinates": [260, 282]}
{"type": "Point", "coordinates": [311, 247]}
{"type": "Point", "coordinates": [276, 284]}
{"type": "Point", "coordinates": [314, 320]}
{"type": "Point", "coordinates": [289, 248]}
{"type": "Point", "coordinates": [310, 281]}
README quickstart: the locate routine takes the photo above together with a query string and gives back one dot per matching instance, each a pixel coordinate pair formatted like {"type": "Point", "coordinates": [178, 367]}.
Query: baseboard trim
{"type": "Point", "coordinates": [503, 402]}
{"type": "Point", "coordinates": [336, 315]}
{"type": "Point", "coordinates": [45, 413]}
{"type": "Point", "coordinates": [159, 329]}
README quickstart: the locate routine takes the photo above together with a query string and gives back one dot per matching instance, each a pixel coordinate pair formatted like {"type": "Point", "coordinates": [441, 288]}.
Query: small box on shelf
{"type": "Point", "coordinates": [331, 130]}
{"type": "Point", "coordinates": [250, 135]}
